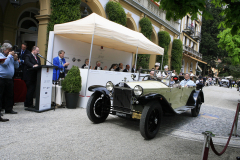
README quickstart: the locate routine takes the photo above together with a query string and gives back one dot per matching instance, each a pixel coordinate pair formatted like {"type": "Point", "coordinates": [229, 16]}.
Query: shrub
{"type": "Point", "coordinates": [72, 82]}
{"type": "Point", "coordinates": [176, 59]}
{"type": "Point", "coordinates": [146, 30]}
{"type": "Point", "coordinates": [116, 13]}
{"type": "Point", "coordinates": [146, 27]}
{"type": "Point", "coordinates": [163, 41]}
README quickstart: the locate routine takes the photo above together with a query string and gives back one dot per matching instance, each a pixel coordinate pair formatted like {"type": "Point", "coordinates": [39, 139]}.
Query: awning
{"type": "Point", "coordinates": [108, 34]}
{"type": "Point", "coordinates": [194, 58]}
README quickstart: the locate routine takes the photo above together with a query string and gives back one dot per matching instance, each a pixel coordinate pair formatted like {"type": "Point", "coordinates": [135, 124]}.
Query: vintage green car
{"type": "Point", "coordinates": [146, 100]}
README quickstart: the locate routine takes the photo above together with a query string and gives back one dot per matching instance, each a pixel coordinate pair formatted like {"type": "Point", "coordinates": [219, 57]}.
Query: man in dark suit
{"type": "Point", "coordinates": [120, 67]}
{"type": "Point", "coordinates": [127, 68]}
{"type": "Point", "coordinates": [133, 69]}
{"type": "Point", "coordinates": [22, 53]}
{"type": "Point", "coordinates": [30, 76]}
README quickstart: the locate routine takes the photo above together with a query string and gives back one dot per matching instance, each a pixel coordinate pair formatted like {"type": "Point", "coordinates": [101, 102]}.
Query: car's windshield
{"type": "Point", "coordinates": [158, 75]}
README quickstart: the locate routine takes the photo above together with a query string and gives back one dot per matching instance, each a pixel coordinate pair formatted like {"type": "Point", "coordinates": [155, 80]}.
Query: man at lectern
{"type": "Point", "coordinates": [30, 76]}
{"type": "Point", "coordinates": [61, 63]}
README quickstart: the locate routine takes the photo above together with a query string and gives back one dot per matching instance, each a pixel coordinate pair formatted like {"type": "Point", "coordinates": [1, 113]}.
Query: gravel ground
{"type": "Point", "coordinates": [68, 134]}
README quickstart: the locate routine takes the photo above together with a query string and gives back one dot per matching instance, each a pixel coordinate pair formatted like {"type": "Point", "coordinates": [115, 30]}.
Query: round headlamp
{"type": "Point", "coordinates": [138, 90]}
{"type": "Point", "coordinates": [109, 86]}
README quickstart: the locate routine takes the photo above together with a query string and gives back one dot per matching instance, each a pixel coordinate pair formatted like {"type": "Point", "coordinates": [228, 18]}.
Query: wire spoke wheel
{"type": "Point", "coordinates": [98, 108]}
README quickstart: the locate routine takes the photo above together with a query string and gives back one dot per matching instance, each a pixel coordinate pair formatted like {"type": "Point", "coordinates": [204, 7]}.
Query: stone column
{"type": "Point", "coordinates": [43, 19]}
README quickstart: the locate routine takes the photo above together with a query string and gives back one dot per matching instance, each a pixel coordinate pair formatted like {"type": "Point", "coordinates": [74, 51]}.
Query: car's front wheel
{"type": "Point", "coordinates": [195, 111]}
{"type": "Point", "coordinates": [150, 120]}
{"type": "Point", "coordinates": [98, 108]}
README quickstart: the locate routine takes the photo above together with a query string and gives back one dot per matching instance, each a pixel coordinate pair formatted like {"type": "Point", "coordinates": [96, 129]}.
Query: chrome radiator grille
{"type": "Point", "coordinates": [122, 98]}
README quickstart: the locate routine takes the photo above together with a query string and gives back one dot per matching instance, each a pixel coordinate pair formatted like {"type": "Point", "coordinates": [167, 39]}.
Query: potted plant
{"type": "Point", "coordinates": [72, 85]}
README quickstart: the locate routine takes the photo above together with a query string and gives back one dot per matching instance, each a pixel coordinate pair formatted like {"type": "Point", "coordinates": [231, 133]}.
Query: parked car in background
{"type": "Point", "coordinates": [145, 99]}
{"type": "Point", "coordinates": [224, 83]}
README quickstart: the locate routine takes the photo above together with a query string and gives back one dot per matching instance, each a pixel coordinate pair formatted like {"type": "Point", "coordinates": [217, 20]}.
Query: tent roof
{"type": "Point", "coordinates": [108, 34]}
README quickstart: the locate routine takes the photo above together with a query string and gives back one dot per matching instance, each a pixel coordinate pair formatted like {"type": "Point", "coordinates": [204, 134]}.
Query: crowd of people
{"type": "Point", "coordinates": [11, 62]}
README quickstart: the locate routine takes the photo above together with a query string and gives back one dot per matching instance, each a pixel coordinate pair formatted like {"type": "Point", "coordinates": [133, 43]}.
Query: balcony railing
{"type": "Point", "coordinates": [189, 29]}
{"type": "Point", "coordinates": [192, 51]}
{"type": "Point", "coordinates": [196, 35]}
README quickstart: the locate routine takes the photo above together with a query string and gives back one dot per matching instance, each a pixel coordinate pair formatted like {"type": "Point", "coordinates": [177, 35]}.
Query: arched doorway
{"type": "Point", "coordinates": [27, 28]}
{"type": "Point", "coordinates": [95, 6]}
{"type": "Point", "coordinates": [85, 10]}
{"type": "Point", "coordinates": [130, 22]}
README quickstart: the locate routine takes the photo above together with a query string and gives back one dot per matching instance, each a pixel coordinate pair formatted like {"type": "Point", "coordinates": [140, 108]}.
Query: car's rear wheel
{"type": "Point", "coordinates": [150, 120]}
{"type": "Point", "coordinates": [97, 108]}
{"type": "Point", "coordinates": [195, 111]}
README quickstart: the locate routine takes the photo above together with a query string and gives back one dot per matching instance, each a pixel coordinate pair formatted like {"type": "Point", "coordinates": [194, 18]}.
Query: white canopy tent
{"type": "Point", "coordinates": [108, 34]}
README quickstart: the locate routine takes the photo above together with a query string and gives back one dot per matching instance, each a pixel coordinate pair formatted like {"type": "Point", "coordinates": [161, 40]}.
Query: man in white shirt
{"type": "Point", "coordinates": [165, 74]}
{"type": "Point", "coordinates": [187, 82]}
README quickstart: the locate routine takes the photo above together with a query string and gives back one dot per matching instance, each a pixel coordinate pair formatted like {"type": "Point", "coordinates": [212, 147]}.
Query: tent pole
{"type": "Point", "coordinates": [136, 60]}
{"type": "Point", "coordinates": [162, 62]}
{"type": "Point", "coordinates": [89, 64]}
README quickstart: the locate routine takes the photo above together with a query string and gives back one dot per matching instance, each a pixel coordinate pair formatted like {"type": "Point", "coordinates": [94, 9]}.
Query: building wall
{"type": "Point", "coordinates": [11, 15]}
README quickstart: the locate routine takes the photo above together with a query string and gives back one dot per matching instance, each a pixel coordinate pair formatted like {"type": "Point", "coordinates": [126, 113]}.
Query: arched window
{"type": "Point", "coordinates": [27, 28]}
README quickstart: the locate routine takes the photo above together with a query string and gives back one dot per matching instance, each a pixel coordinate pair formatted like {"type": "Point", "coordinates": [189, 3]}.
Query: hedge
{"type": "Point", "coordinates": [176, 60]}
{"type": "Point", "coordinates": [146, 30]}
{"type": "Point", "coordinates": [116, 13]}
{"type": "Point", "coordinates": [163, 41]}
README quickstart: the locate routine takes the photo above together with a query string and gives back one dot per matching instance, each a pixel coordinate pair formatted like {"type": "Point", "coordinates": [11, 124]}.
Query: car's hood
{"type": "Point", "coordinates": [147, 84]}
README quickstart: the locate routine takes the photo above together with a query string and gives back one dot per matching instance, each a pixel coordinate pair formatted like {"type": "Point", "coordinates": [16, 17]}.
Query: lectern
{"type": "Point", "coordinates": [43, 88]}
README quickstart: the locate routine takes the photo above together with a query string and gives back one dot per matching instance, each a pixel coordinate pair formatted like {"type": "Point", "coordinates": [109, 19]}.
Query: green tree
{"type": "Point", "coordinates": [231, 44]}
{"type": "Point", "coordinates": [227, 69]}
{"type": "Point", "coordinates": [63, 11]}
{"type": "Point", "coordinates": [146, 30]}
{"type": "Point", "coordinates": [116, 13]}
{"type": "Point", "coordinates": [176, 60]}
{"type": "Point", "coordinates": [209, 41]}
{"type": "Point", "coordinates": [163, 41]}
{"type": "Point", "coordinates": [177, 9]}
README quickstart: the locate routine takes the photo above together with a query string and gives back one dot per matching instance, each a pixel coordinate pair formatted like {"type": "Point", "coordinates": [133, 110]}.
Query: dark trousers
{"type": "Point", "coordinates": [31, 86]}
{"type": "Point", "coordinates": [6, 94]}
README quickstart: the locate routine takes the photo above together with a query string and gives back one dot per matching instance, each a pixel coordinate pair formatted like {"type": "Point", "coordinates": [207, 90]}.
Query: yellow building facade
{"type": "Point", "coordinates": [191, 38]}
{"type": "Point", "coordinates": [28, 21]}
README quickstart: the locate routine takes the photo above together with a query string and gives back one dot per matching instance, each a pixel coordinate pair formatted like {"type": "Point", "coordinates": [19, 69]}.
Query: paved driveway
{"type": "Point", "coordinates": [68, 134]}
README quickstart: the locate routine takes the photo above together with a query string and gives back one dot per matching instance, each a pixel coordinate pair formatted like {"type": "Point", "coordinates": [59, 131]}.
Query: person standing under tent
{"type": "Point", "coordinates": [61, 63]}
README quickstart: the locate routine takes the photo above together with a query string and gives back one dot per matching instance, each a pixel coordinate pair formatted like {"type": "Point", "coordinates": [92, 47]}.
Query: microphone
{"type": "Point", "coordinates": [40, 55]}
{"type": "Point", "coordinates": [44, 58]}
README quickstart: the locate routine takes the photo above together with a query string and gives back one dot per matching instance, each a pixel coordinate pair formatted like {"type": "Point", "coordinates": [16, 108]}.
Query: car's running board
{"type": "Point", "coordinates": [183, 109]}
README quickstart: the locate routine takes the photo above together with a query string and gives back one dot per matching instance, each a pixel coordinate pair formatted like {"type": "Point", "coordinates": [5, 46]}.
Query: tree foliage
{"type": "Point", "coordinates": [227, 69]}
{"type": "Point", "coordinates": [163, 41]}
{"type": "Point", "coordinates": [231, 44]}
{"type": "Point", "coordinates": [63, 11]}
{"type": "Point", "coordinates": [209, 41]}
{"type": "Point", "coordinates": [116, 13]}
{"type": "Point", "coordinates": [177, 9]}
{"type": "Point", "coordinates": [72, 82]}
{"type": "Point", "coordinates": [176, 59]}
{"type": "Point", "coordinates": [146, 30]}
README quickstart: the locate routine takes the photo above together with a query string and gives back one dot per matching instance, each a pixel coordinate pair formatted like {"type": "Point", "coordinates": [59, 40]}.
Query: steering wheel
{"type": "Point", "coordinates": [149, 78]}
